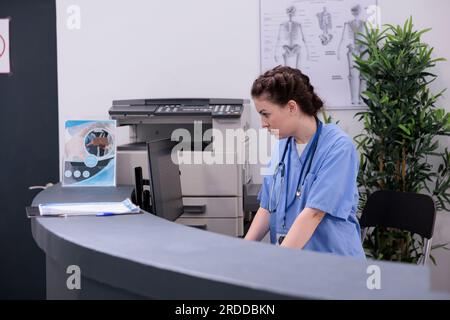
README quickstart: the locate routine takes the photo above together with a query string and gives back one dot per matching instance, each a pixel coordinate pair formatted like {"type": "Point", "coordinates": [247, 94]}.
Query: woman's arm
{"type": "Point", "coordinates": [259, 226]}
{"type": "Point", "coordinates": [303, 228]}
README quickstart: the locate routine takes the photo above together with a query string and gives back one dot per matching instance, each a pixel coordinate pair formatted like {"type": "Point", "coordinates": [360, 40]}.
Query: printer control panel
{"type": "Point", "coordinates": [216, 111]}
{"type": "Point", "coordinates": [142, 109]}
{"type": "Point", "coordinates": [227, 111]}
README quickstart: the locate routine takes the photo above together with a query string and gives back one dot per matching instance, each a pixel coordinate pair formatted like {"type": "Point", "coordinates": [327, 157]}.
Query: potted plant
{"type": "Point", "coordinates": [401, 127]}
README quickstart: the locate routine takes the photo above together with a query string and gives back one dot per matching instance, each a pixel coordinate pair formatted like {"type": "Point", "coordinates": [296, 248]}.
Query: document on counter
{"type": "Point", "coordinates": [85, 209]}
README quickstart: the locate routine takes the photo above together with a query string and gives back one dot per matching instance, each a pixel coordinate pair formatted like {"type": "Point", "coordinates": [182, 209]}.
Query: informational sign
{"type": "Point", "coordinates": [4, 46]}
{"type": "Point", "coordinates": [90, 153]}
{"type": "Point", "coordinates": [320, 38]}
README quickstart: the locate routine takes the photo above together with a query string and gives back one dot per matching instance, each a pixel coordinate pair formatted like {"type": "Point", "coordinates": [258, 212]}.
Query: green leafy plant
{"type": "Point", "coordinates": [327, 118]}
{"type": "Point", "coordinates": [401, 127]}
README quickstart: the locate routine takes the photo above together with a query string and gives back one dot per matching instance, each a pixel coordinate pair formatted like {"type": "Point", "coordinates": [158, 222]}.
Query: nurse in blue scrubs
{"type": "Point", "coordinates": [309, 200]}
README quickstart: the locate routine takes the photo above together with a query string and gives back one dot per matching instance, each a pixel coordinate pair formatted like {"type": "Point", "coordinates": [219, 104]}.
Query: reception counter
{"type": "Point", "coordinates": [145, 257]}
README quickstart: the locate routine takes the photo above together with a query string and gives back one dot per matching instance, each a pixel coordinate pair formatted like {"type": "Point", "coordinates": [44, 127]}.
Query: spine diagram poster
{"type": "Point", "coordinates": [319, 37]}
{"type": "Point", "coordinates": [4, 46]}
{"type": "Point", "coordinates": [89, 153]}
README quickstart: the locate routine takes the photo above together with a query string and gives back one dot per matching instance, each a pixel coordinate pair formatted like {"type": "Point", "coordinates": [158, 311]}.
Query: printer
{"type": "Point", "coordinates": [218, 186]}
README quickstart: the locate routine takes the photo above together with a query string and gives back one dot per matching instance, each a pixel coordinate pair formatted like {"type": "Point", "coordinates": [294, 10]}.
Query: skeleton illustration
{"type": "Point", "coordinates": [290, 41]}
{"type": "Point", "coordinates": [325, 25]}
{"type": "Point", "coordinates": [350, 35]}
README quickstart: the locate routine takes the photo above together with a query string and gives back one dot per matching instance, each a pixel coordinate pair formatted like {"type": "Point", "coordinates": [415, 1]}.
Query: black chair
{"type": "Point", "coordinates": [411, 212]}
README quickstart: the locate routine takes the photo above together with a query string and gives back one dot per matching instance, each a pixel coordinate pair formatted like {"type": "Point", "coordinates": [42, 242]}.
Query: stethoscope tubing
{"type": "Point", "coordinates": [281, 167]}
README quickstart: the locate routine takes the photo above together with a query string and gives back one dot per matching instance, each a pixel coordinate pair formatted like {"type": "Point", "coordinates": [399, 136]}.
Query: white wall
{"type": "Point", "coordinates": [150, 49]}
{"type": "Point", "coordinates": [197, 48]}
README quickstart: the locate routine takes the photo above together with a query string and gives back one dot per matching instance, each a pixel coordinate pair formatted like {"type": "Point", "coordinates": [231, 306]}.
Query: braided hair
{"type": "Point", "coordinates": [282, 84]}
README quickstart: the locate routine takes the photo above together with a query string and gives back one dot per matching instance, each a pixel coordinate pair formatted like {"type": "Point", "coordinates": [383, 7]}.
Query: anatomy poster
{"type": "Point", "coordinates": [319, 37]}
{"type": "Point", "coordinates": [4, 46]}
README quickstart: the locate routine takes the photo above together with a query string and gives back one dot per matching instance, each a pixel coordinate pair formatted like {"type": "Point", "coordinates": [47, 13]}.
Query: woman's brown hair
{"type": "Point", "coordinates": [282, 84]}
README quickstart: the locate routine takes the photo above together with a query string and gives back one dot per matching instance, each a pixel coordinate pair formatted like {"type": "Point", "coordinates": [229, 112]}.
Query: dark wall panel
{"type": "Point", "coordinates": [28, 139]}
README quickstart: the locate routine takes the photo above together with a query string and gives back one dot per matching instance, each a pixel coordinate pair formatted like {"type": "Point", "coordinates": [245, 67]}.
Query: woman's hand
{"type": "Point", "coordinates": [259, 226]}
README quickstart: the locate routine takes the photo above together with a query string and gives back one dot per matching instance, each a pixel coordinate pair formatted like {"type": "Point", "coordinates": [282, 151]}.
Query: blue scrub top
{"type": "Point", "coordinates": [330, 186]}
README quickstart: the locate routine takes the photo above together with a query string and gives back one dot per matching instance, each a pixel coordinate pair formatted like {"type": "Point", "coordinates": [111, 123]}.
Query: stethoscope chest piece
{"type": "Point", "coordinates": [298, 193]}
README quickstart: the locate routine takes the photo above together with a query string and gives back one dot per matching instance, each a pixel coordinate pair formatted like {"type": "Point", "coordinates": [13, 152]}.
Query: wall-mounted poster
{"type": "Point", "coordinates": [89, 153]}
{"type": "Point", "coordinates": [4, 46]}
{"type": "Point", "coordinates": [319, 37]}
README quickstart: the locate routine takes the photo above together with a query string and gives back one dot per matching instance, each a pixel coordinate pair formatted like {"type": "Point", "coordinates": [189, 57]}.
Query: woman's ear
{"type": "Point", "coordinates": [292, 106]}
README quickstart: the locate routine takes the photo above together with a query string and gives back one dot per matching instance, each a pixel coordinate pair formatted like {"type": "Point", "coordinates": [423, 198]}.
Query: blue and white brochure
{"type": "Point", "coordinates": [89, 153]}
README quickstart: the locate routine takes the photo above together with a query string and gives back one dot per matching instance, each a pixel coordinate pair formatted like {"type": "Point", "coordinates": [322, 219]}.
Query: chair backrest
{"type": "Point", "coordinates": [413, 212]}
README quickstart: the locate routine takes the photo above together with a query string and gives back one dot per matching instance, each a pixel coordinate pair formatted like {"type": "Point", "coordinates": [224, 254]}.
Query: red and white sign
{"type": "Point", "coordinates": [4, 46]}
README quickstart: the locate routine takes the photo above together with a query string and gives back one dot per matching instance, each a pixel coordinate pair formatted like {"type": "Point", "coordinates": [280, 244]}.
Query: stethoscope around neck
{"type": "Point", "coordinates": [281, 168]}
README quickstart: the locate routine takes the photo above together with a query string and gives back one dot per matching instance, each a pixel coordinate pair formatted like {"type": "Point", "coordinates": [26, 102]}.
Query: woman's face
{"type": "Point", "coordinates": [274, 118]}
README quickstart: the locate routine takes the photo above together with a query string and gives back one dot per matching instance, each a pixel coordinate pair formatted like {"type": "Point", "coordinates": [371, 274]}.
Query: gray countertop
{"type": "Point", "coordinates": [150, 257]}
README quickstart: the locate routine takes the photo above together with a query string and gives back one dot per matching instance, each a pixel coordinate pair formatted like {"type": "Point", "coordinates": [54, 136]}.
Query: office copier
{"type": "Point", "coordinates": [212, 173]}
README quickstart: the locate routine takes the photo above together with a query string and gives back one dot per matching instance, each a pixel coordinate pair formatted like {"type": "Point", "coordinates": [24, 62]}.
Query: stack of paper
{"type": "Point", "coordinates": [88, 208]}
